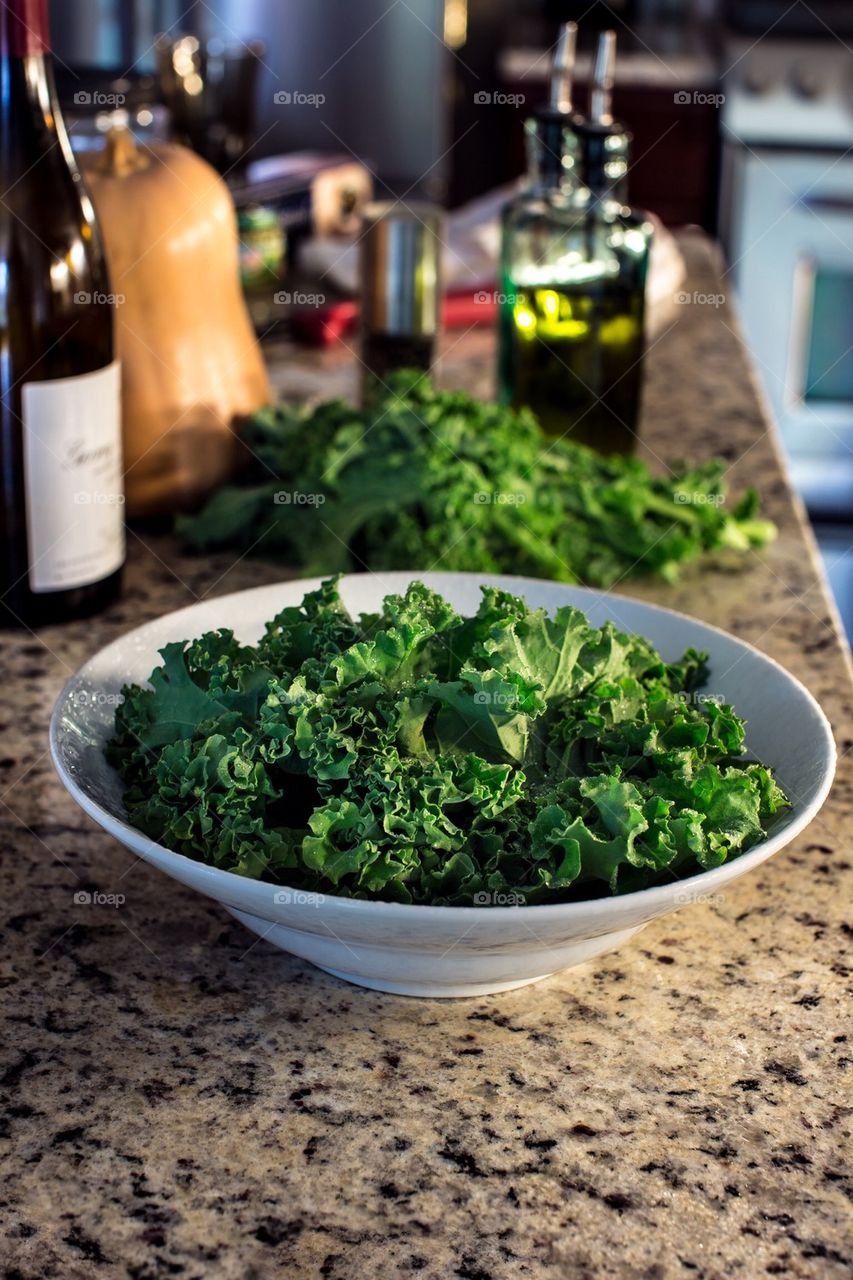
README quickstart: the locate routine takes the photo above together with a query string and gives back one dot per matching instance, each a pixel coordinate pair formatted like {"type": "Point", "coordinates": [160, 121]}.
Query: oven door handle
{"type": "Point", "coordinates": [799, 338]}
{"type": "Point", "coordinates": [828, 204]}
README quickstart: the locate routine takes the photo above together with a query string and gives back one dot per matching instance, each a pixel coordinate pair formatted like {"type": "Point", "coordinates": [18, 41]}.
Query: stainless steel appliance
{"type": "Point", "coordinates": [379, 69]}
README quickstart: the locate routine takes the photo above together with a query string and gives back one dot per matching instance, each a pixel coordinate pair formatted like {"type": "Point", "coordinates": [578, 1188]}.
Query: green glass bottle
{"type": "Point", "coordinates": [573, 274]}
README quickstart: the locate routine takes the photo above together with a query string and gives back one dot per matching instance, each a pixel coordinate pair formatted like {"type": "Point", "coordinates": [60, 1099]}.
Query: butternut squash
{"type": "Point", "coordinates": [191, 365]}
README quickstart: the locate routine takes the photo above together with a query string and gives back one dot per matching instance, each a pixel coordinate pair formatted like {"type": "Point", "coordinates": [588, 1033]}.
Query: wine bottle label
{"type": "Point", "coordinates": [73, 478]}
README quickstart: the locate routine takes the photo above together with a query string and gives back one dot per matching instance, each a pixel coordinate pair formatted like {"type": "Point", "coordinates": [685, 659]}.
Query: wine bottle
{"type": "Point", "coordinates": [61, 502]}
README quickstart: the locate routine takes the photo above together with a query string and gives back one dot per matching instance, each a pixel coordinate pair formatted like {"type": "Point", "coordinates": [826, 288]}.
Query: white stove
{"type": "Point", "coordinates": [787, 220]}
{"type": "Point", "coordinates": [789, 92]}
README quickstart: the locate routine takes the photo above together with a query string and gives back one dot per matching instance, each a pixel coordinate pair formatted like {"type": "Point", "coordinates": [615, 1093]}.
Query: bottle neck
{"type": "Point", "coordinates": [24, 30]}
{"type": "Point", "coordinates": [551, 155]}
{"type": "Point", "coordinates": [27, 93]}
{"type": "Point", "coordinates": [604, 155]}
{"type": "Point", "coordinates": [30, 118]}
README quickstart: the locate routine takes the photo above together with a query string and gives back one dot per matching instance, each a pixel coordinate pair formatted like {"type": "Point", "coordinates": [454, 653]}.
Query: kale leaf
{"type": "Point", "coordinates": [419, 756]}
{"type": "Point", "coordinates": [438, 479]}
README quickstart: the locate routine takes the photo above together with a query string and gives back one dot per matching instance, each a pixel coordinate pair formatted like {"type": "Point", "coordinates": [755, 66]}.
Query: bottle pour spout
{"type": "Point", "coordinates": [563, 68]}
{"type": "Point", "coordinates": [601, 95]}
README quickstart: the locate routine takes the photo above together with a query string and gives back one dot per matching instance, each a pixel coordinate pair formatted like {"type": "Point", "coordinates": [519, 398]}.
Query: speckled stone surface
{"type": "Point", "coordinates": [182, 1100]}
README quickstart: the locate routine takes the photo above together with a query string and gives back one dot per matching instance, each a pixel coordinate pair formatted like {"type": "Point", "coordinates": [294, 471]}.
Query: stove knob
{"type": "Point", "coordinates": [756, 79]}
{"type": "Point", "coordinates": [806, 81]}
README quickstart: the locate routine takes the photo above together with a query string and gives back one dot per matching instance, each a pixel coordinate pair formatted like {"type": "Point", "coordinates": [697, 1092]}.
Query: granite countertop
{"type": "Point", "coordinates": [181, 1100]}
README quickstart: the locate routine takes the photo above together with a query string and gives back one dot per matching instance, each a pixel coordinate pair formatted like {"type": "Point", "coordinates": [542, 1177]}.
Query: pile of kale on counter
{"type": "Point", "coordinates": [419, 756]}
{"type": "Point", "coordinates": [436, 479]}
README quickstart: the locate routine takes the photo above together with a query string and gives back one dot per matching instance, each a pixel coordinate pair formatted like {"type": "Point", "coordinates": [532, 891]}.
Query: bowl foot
{"type": "Point", "coordinates": [433, 991]}
{"type": "Point", "coordinates": [426, 972]}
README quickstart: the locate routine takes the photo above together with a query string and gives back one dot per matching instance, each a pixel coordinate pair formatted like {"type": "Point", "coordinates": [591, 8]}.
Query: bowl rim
{"type": "Point", "coordinates": [656, 896]}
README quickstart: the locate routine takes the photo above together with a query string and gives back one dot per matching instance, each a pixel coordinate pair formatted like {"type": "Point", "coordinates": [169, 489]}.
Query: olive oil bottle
{"type": "Point", "coordinates": [573, 271]}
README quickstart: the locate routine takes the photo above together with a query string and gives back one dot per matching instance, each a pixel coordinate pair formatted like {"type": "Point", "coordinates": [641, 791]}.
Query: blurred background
{"type": "Point", "coordinates": [741, 110]}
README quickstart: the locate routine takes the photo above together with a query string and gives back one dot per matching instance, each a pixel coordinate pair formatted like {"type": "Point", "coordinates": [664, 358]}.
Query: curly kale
{"type": "Point", "coordinates": [437, 479]}
{"type": "Point", "coordinates": [419, 756]}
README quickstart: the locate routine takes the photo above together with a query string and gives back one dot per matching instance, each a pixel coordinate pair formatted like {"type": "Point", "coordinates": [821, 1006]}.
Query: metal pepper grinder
{"type": "Point", "coordinates": [400, 291]}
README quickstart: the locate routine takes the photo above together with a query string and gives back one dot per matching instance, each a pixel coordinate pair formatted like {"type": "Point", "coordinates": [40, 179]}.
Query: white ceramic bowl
{"type": "Point", "coordinates": [446, 951]}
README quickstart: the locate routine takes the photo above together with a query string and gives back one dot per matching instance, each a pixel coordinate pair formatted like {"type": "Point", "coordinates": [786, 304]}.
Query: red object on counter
{"type": "Point", "coordinates": [325, 325]}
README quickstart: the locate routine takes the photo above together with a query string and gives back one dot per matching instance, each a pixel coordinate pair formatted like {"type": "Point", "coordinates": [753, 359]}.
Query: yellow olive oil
{"type": "Point", "coordinates": [572, 352]}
